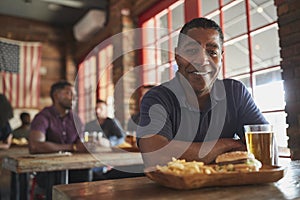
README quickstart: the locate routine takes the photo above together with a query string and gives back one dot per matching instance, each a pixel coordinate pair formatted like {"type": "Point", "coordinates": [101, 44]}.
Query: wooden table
{"type": "Point", "coordinates": [143, 188]}
{"type": "Point", "coordinates": [22, 163]}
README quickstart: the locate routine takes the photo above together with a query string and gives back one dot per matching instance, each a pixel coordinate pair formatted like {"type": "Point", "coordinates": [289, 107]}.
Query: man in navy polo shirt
{"type": "Point", "coordinates": [196, 116]}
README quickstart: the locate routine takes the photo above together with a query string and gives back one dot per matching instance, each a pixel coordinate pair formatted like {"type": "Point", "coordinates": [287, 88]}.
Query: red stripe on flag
{"type": "Point", "coordinates": [38, 75]}
{"type": "Point", "coordinates": [25, 76]}
{"type": "Point", "coordinates": [31, 77]}
{"type": "Point", "coordinates": [17, 90]}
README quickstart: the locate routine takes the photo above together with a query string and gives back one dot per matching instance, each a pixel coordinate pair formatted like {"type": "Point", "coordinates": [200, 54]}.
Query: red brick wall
{"type": "Point", "coordinates": [289, 33]}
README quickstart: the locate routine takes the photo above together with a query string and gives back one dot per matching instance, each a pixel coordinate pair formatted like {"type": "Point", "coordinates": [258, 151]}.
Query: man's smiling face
{"type": "Point", "coordinates": [199, 58]}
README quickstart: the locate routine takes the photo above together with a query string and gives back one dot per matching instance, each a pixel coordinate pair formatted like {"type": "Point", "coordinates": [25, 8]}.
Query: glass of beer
{"type": "Point", "coordinates": [259, 141]}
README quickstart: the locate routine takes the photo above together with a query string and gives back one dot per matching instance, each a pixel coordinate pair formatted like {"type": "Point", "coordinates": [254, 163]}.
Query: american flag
{"type": "Point", "coordinates": [19, 72]}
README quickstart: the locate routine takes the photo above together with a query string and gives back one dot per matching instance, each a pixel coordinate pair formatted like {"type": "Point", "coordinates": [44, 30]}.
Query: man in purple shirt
{"type": "Point", "coordinates": [57, 128]}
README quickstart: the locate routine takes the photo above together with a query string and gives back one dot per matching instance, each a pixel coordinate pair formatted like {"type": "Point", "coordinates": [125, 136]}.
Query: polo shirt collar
{"type": "Point", "coordinates": [57, 114]}
{"type": "Point", "coordinates": [217, 94]}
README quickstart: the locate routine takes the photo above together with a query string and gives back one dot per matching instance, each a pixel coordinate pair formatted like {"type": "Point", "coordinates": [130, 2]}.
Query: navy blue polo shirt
{"type": "Point", "coordinates": [166, 111]}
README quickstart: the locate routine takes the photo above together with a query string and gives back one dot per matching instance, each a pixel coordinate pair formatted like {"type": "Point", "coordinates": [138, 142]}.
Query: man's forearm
{"type": "Point", "coordinates": [48, 147]}
{"type": "Point", "coordinates": [157, 150]}
{"type": "Point", "coordinates": [208, 151]}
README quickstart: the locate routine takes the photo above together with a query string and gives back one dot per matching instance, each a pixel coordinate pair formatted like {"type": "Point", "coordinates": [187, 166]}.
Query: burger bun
{"type": "Point", "coordinates": [239, 161]}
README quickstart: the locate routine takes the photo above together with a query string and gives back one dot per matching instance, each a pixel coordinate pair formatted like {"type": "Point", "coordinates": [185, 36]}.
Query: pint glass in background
{"type": "Point", "coordinates": [260, 142]}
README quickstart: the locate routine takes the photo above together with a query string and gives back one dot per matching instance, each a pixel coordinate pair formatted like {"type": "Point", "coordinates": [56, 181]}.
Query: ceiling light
{"type": "Point", "coordinates": [259, 9]}
{"type": "Point", "coordinates": [69, 3]}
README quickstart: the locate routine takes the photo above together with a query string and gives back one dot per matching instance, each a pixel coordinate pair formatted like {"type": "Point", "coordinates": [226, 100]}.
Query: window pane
{"type": "Point", "coordinates": [90, 84]}
{"type": "Point", "coordinates": [262, 12]}
{"type": "Point", "coordinates": [148, 32]}
{"type": "Point", "coordinates": [149, 72]}
{"type": "Point", "coordinates": [235, 22]}
{"type": "Point", "coordinates": [177, 17]}
{"type": "Point", "coordinates": [164, 73]}
{"type": "Point", "coordinates": [246, 81]}
{"type": "Point", "coordinates": [163, 25]}
{"type": "Point", "coordinates": [227, 1]}
{"type": "Point", "coordinates": [266, 49]}
{"type": "Point", "coordinates": [209, 6]}
{"type": "Point", "coordinates": [149, 55]}
{"type": "Point", "coordinates": [105, 73]}
{"type": "Point", "coordinates": [216, 18]}
{"type": "Point", "coordinates": [174, 44]}
{"type": "Point", "coordinates": [278, 120]}
{"type": "Point", "coordinates": [164, 52]}
{"type": "Point", "coordinates": [269, 91]}
{"type": "Point", "coordinates": [236, 57]}
{"type": "Point", "coordinates": [268, 77]}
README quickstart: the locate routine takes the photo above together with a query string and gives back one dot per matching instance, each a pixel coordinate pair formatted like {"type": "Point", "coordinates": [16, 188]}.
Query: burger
{"type": "Point", "coordinates": [241, 161]}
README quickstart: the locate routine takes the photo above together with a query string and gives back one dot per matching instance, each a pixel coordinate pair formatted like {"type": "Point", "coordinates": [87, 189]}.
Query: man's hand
{"type": "Point", "coordinates": [80, 147]}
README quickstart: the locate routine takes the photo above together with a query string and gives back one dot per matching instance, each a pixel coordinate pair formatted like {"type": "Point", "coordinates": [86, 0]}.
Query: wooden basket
{"type": "Point", "coordinates": [267, 174]}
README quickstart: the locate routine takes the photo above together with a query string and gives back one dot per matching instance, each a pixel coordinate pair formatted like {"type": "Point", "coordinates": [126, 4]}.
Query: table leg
{"type": "Point", "coordinates": [55, 178]}
{"type": "Point", "coordinates": [19, 186]}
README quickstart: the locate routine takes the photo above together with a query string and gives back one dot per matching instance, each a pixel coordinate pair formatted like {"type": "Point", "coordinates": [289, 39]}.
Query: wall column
{"type": "Point", "coordinates": [289, 33]}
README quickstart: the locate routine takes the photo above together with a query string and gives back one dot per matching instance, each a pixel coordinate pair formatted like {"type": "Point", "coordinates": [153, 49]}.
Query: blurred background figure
{"type": "Point", "coordinates": [111, 128]}
{"type": "Point", "coordinates": [135, 118]}
{"type": "Point", "coordinates": [24, 130]}
{"type": "Point", "coordinates": [5, 129]}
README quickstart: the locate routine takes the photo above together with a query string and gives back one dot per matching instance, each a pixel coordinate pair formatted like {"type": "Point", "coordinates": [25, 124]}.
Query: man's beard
{"type": "Point", "coordinates": [66, 106]}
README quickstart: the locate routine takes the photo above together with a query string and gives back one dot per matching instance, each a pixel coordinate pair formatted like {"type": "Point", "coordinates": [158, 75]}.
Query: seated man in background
{"type": "Point", "coordinates": [56, 128]}
{"type": "Point", "coordinates": [135, 118]}
{"type": "Point", "coordinates": [113, 131]}
{"type": "Point", "coordinates": [5, 129]}
{"type": "Point", "coordinates": [23, 130]}
{"type": "Point", "coordinates": [110, 127]}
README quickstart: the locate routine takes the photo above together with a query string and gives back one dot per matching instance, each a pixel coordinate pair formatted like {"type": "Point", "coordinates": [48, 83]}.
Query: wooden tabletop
{"type": "Point", "coordinates": [20, 161]}
{"type": "Point", "coordinates": [143, 188]}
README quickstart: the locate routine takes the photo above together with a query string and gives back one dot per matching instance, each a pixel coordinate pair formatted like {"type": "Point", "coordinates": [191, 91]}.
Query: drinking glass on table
{"type": "Point", "coordinates": [102, 141]}
{"type": "Point", "coordinates": [260, 142]}
{"type": "Point", "coordinates": [90, 140]}
{"type": "Point", "coordinates": [131, 137]}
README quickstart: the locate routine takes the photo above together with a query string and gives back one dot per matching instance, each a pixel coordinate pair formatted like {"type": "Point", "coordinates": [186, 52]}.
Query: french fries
{"type": "Point", "coordinates": [182, 168]}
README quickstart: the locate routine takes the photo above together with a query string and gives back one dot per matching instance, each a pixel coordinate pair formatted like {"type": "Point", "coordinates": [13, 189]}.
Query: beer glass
{"type": "Point", "coordinates": [260, 142]}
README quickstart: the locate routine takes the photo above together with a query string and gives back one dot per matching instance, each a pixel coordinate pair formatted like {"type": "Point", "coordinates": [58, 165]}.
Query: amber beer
{"type": "Point", "coordinates": [259, 141]}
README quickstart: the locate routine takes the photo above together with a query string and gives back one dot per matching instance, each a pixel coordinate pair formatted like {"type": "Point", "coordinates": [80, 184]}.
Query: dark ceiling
{"type": "Point", "coordinates": [55, 12]}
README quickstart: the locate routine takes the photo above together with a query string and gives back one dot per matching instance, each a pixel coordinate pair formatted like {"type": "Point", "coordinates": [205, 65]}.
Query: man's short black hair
{"type": "Point", "coordinates": [23, 115]}
{"type": "Point", "coordinates": [200, 23]}
{"type": "Point", "coordinates": [57, 86]}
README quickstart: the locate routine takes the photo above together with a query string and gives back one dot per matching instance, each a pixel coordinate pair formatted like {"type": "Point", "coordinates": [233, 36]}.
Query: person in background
{"type": "Point", "coordinates": [110, 127]}
{"type": "Point", "coordinates": [5, 129]}
{"type": "Point", "coordinates": [24, 130]}
{"type": "Point", "coordinates": [196, 116]}
{"type": "Point", "coordinates": [113, 131]}
{"type": "Point", "coordinates": [135, 118]}
{"type": "Point", "coordinates": [56, 128]}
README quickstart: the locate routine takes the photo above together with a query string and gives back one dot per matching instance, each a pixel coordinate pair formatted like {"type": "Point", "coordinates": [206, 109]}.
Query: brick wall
{"type": "Point", "coordinates": [54, 46]}
{"type": "Point", "coordinates": [289, 33]}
